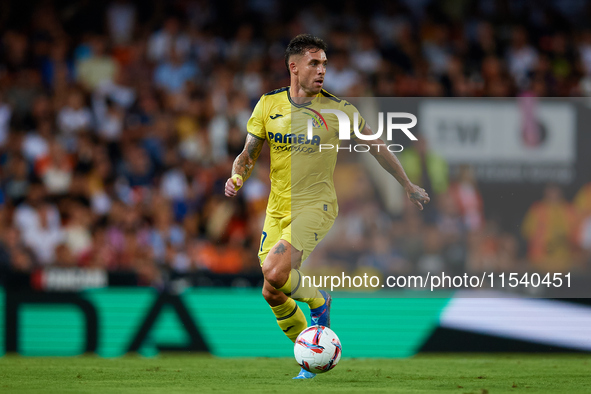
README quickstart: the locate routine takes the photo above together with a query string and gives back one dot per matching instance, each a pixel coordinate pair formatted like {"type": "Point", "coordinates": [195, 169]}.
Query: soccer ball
{"type": "Point", "coordinates": [317, 349]}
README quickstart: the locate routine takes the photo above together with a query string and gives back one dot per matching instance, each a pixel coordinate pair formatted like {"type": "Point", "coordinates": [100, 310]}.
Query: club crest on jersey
{"type": "Point", "coordinates": [317, 119]}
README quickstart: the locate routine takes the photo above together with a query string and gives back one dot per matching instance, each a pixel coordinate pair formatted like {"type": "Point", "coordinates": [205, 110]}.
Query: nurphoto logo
{"type": "Point", "coordinates": [345, 127]}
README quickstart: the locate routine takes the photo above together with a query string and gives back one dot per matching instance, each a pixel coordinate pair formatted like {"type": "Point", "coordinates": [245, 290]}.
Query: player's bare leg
{"type": "Point", "coordinates": [276, 271]}
{"type": "Point", "coordinates": [280, 264]}
{"type": "Point", "coordinates": [273, 296]}
{"type": "Point", "coordinates": [281, 271]}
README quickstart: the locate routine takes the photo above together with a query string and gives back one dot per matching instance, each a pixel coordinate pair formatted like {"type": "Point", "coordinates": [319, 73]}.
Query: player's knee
{"type": "Point", "coordinates": [272, 297]}
{"type": "Point", "coordinates": [275, 275]}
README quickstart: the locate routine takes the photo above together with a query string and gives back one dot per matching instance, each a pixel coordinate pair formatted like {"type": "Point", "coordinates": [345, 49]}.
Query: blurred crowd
{"type": "Point", "coordinates": [119, 122]}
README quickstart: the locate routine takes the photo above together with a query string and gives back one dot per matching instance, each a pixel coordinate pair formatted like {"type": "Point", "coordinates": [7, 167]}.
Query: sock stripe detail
{"type": "Point", "coordinates": [295, 289]}
{"type": "Point", "coordinates": [290, 314]}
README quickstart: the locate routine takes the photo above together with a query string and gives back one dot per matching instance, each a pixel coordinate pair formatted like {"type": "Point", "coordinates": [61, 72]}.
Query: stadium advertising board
{"type": "Point", "coordinates": [114, 321]}
{"type": "Point", "coordinates": [514, 140]}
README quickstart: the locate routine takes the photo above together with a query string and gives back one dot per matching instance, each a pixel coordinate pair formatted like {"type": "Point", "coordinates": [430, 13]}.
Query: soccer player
{"type": "Point", "coordinates": [302, 204]}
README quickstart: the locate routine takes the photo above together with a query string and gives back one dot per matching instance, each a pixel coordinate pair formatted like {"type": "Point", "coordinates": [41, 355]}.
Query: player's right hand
{"type": "Point", "coordinates": [232, 186]}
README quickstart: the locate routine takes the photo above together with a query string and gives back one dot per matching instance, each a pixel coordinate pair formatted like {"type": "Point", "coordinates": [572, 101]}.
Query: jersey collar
{"type": "Point", "coordinates": [295, 104]}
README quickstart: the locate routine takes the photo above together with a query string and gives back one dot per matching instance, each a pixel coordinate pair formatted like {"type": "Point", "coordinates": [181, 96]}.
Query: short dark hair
{"type": "Point", "coordinates": [302, 43]}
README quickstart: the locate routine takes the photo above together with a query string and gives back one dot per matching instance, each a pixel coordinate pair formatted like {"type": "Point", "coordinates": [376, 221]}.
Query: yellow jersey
{"type": "Point", "coordinates": [301, 167]}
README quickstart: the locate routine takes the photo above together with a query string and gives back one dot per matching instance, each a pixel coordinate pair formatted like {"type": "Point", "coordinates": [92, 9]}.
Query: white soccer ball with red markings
{"type": "Point", "coordinates": [317, 349]}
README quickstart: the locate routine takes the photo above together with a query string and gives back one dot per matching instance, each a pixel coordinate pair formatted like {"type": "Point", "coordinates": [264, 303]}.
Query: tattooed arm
{"type": "Point", "coordinates": [390, 163]}
{"type": "Point", "coordinates": [244, 164]}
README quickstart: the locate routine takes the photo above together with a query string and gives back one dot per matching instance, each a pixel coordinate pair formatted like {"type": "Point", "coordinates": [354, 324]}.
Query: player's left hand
{"type": "Point", "coordinates": [233, 185]}
{"type": "Point", "coordinates": [417, 196]}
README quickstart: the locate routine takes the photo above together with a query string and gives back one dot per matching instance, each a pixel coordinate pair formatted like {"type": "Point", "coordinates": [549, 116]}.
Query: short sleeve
{"type": "Point", "coordinates": [353, 114]}
{"type": "Point", "coordinates": [256, 125]}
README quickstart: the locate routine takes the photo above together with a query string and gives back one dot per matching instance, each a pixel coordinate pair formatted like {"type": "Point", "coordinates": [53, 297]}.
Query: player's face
{"type": "Point", "coordinates": [310, 69]}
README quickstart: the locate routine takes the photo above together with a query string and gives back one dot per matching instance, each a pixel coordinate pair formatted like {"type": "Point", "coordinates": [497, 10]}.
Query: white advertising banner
{"type": "Point", "coordinates": [524, 131]}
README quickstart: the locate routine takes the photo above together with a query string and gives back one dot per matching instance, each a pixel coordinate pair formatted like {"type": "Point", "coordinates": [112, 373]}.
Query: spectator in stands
{"type": "Point", "coordinates": [582, 204]}
{"type": "Point", "coordinates": [384, 256]}
{"type": "Point", "coordinates": [521, 57]}
{"type": "Point", "coordinates": [340, 77]}
{"type": "Point", "coordinates": [5, 116]}
{"type": "Point", "coordinates": [173, 74]}
{"type": "Point", "coordinates": [121, 16]}
{"type": "Point", "coordinates": [169, 38]}
{"type": "Point", "coordinates": [57, 63]}
{"type": "Point", "coordinates": [77, 234]}
{"type": "Point", "coordinates": [46, 235]}
{"type": "Point", "coordinates": [468, 199]}
{"type": "Point", "coordinates": [99, 68]}
{"type": "Point", "coordinates": [35, 144]}
{"type": "Point", "coordinates": [16, 180]}
{"type": "Point", "coordinates": [64, 257]}
{"type": "Point", "coordinates": [55, 169]}
{"type": "Point", "coordinates": [585, 51]}
{"type": "Point", "coordinates": [75, 117]}
{"type": "Point", "coordinates": [138, 170]}
{"type": "Point", "coordinates": [366, 58]}
{"type": "Point", "coordinates": [550, 230]}
{"type": "Point", "coordinates": [437, 50]}
{"type": "Point", "coordinates": [164, 232]}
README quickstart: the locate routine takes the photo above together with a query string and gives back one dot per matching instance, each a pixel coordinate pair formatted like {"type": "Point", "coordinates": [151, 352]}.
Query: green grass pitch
{"type": "Point", "coordinates": [185, 373]}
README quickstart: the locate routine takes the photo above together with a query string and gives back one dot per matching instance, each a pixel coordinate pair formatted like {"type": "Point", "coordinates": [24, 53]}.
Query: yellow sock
{"type": "Point", "coordinates": [290, 318]}
{"type": "Point", "coordinates": [309, 295]}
